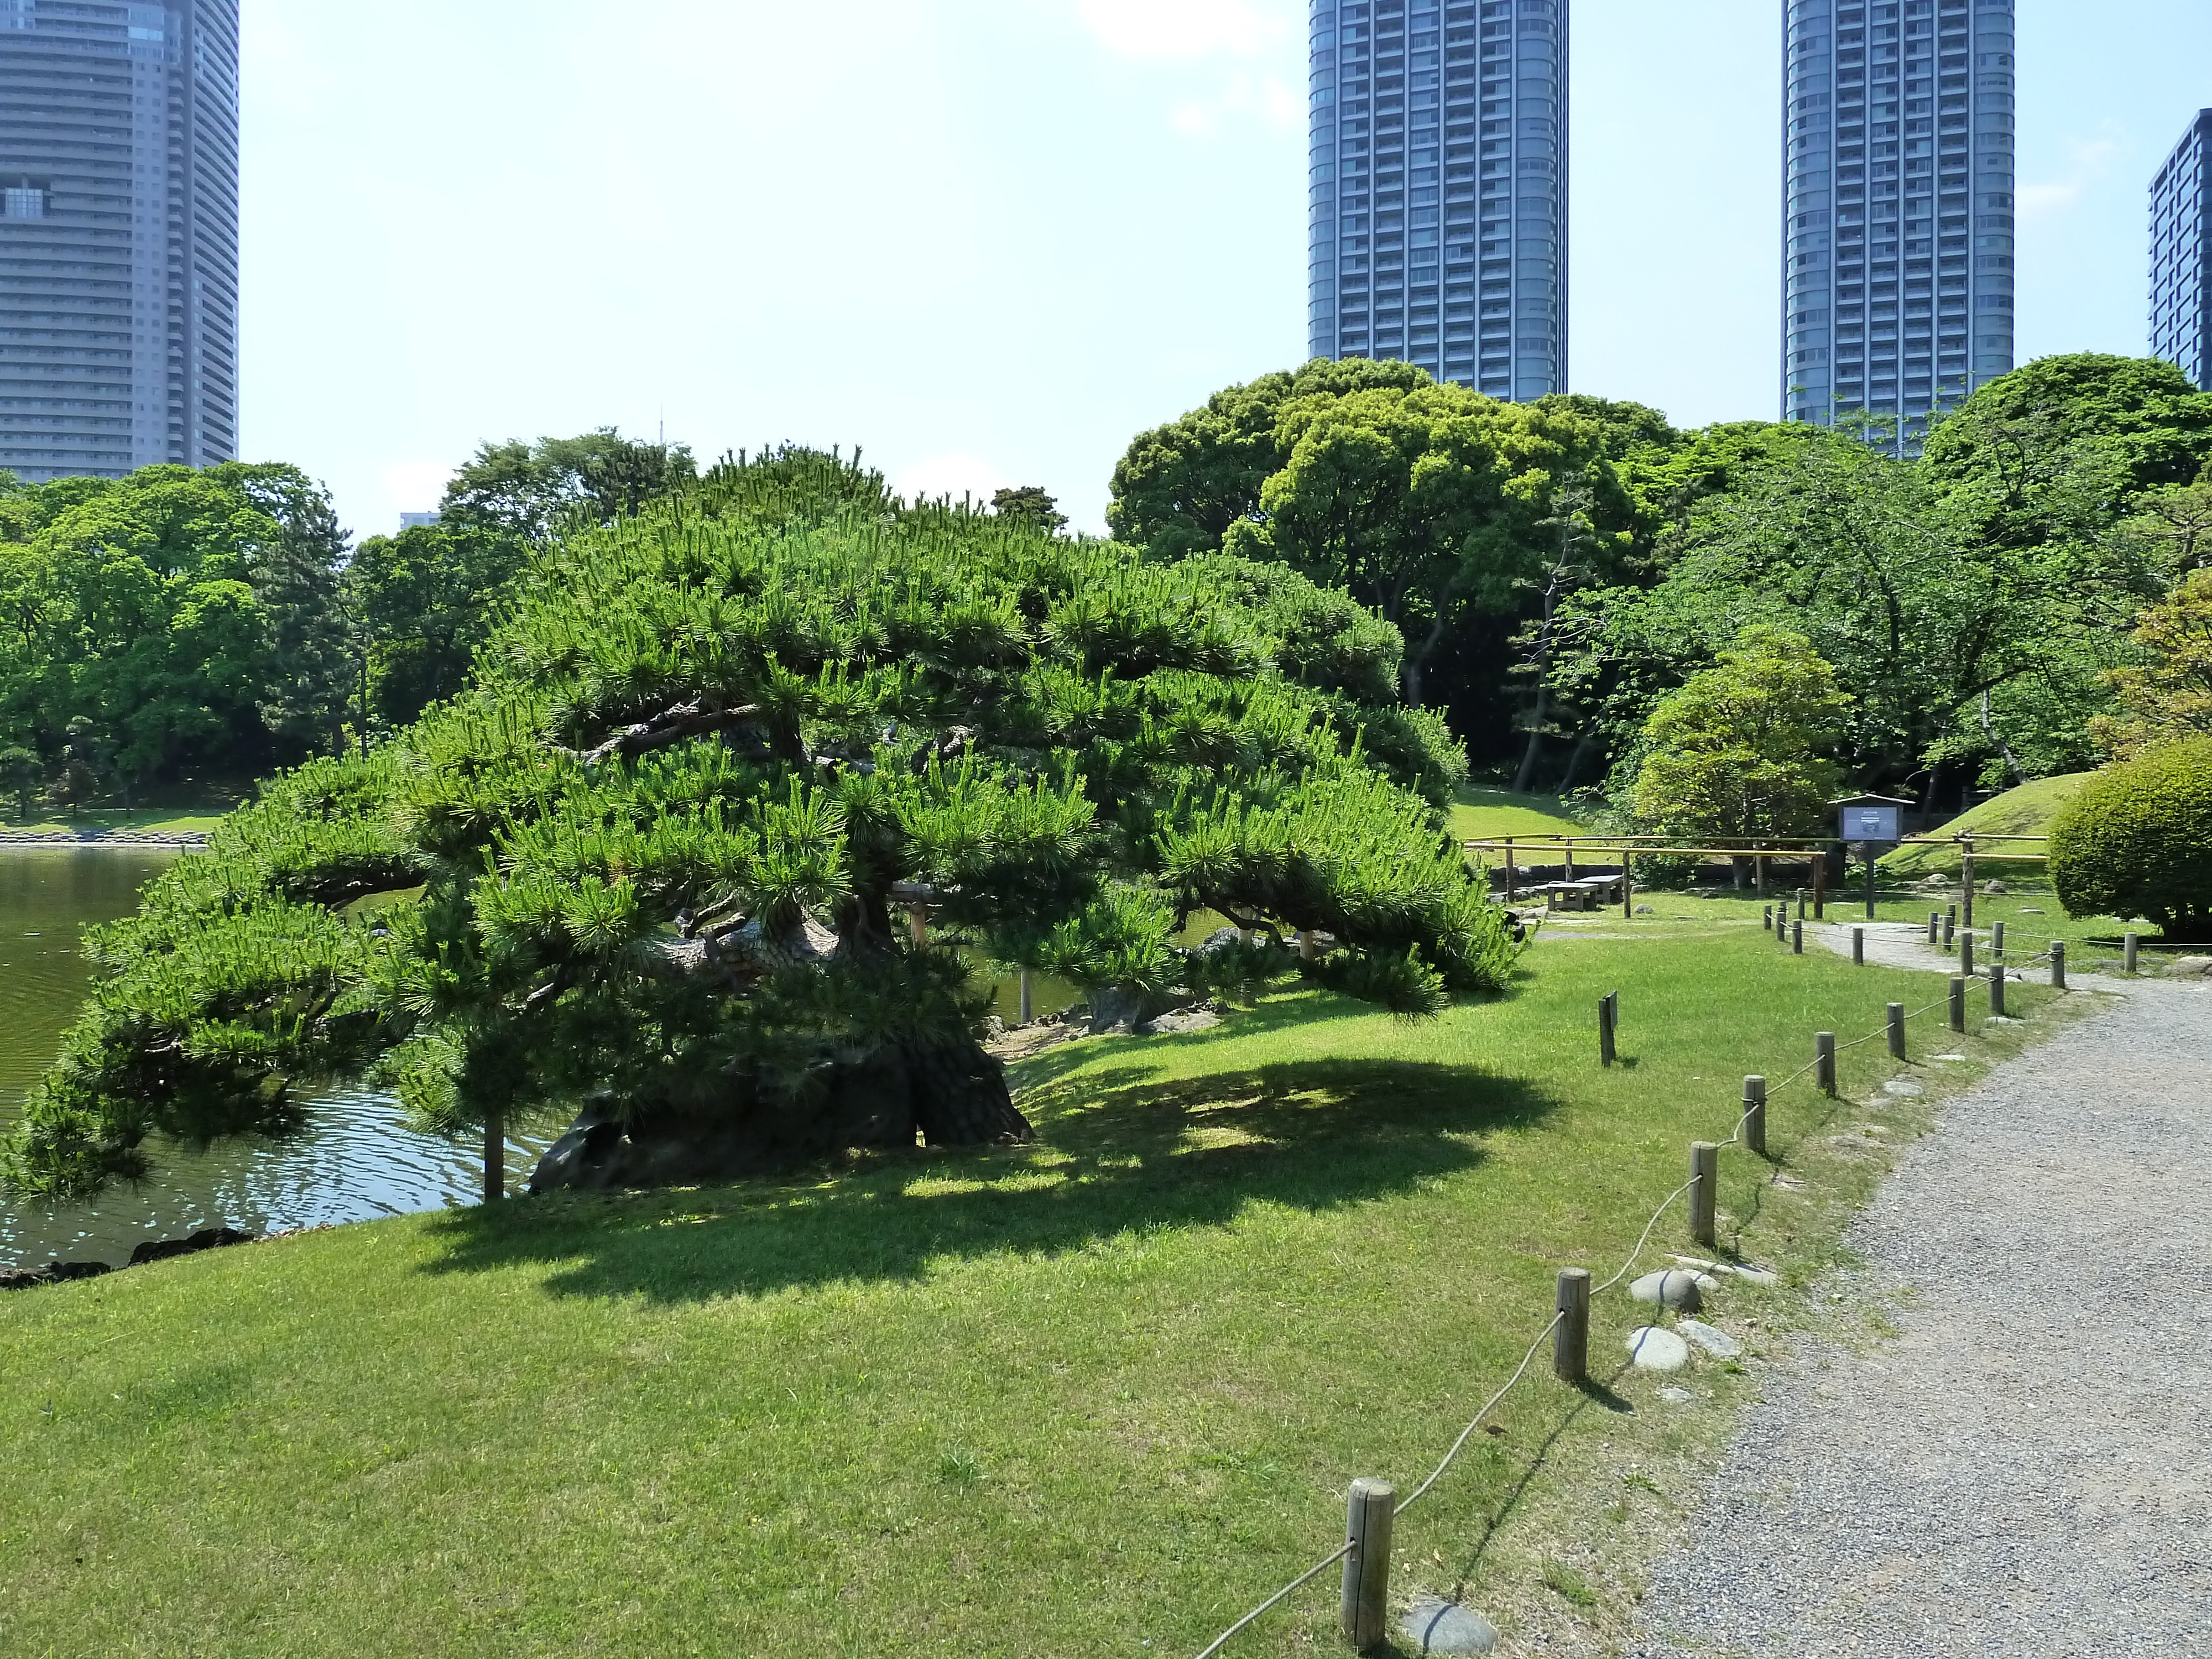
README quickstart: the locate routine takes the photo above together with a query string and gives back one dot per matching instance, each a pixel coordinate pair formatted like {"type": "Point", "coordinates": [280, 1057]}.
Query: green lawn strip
{"type": "Point", "coordinates": [1069, 1398]}
{"type": "Point", "coordinates": [143, 821]}
{"type": "Point", "coordinates": [1487, 814]}
{"type": "Point", "coordinates": [2026, 811]}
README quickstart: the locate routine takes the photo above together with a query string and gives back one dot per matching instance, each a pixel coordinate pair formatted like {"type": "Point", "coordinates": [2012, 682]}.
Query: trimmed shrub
{"type": "Point", "coordinates": [2136, 841]}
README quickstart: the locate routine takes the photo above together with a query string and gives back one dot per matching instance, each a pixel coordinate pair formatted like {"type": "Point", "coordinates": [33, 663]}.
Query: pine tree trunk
{"type": "Point", "coordinates": [961, 1098]}
{"type": "Point", "coordinates": [495, 1158]}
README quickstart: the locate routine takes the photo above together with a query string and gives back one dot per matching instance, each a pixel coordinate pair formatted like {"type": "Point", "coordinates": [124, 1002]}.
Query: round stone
{"type": "Point", "coordinates": [1674, 1396]}
{"type": "Point", "coordinates": [1714, 1341]}
{"type": "Point", "coordinates": [1677, 1288]}
{"type": "Point", "coordinates": [1432, 1625]}
{"type": "Point", "coordinates": [1656, 1350]}
{"type": "Point", "coordinates": [1904, 1085]}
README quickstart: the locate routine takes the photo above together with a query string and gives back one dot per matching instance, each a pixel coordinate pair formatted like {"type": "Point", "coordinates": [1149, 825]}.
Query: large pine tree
{"type": "Point", "coordinates": [656, 863]}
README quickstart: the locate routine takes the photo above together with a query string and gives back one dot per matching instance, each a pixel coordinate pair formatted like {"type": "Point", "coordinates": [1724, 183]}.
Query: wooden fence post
{"type": "Point", "coordinates": [1754, 1114]}
{"type": "Point", "coordinates": [1950, 926]}
{"type": "Point", "coordinates": [1824, 1051]}
{"type": "Point", "coordinates": [1967, 878]}
{"type": "Point", "coordinates": [1704, 1180]}
{"type": "Point", "coordinates": [1959, 1005]}
{"type": "Point", "coordinates": [1758, 866]}
{"type": "Point", "coordinates": [1766, 918]}
{"type": "Point", "coordinates": [1934, 925]}
{"type": "Point", "coordinates": [1608, 1024]}
{"type": "Point", "coordinates": [1858, 947]}
{"type": "Point", "coordinates": [2129, 954]}
{"type": "Point", "coordinates": [2058, 964]}
{"type": "Point", "coordinates": [1996, 940]}
{"type": "Point", "coordinates": [917, 923]}
{"type": "Point", "coordinates": [1897, 1031]}
{"type": "Point", "coordinates": [1966, 954]}
{"type": "Point", "coordinates": [1367, 1568]}
{"type": "Point", "coordinates": [1802, 905]}
{"type": "Point", "coordinates": [1820, 886]}
{"type": "Point", "coordinates": [1628, 886]}
{"type": "Point", "coordinates": [1998, 989]}
{"type": "Point", "coordinates": [1798, 938]}
{"type": "Point", "coordinates": [1512, 875]}
{"type": "Point", "coordinates": [1570, 1342]}
{"type": "Point", "coordinates": [1571, 858]}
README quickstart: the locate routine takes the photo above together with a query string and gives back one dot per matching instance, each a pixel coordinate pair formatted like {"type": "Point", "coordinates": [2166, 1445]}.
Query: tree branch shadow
{"type": "Point", "coordinates": [1119, 1152]}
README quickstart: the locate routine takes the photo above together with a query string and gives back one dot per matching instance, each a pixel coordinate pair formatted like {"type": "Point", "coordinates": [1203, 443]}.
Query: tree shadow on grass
{"type": "Point", "coordinates": [1119, 1152]}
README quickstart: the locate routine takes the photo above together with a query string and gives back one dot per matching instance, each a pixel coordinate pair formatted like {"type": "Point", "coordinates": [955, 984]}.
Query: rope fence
{"type": "Point", "coordinates": [1373, 1506]}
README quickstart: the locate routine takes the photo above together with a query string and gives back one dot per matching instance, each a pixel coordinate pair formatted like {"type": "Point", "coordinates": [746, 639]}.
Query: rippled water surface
{"type": "Point", "coordinates": [354, 1160]}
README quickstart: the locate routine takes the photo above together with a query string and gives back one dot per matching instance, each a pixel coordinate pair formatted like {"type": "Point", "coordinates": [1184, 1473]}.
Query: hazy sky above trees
{"type": "Point", "coordinates": [992, 239]}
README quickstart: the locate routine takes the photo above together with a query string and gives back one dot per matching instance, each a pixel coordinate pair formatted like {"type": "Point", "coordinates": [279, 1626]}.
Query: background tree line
{"type": "Point", "coordinates": [2019, 600]}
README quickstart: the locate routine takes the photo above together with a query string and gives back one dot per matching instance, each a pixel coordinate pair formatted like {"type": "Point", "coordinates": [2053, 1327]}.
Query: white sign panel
{"type": "Point", "coordinates": [1871, 823]}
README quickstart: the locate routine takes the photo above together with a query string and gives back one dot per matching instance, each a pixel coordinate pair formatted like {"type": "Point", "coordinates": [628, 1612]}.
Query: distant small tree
{"type": "Point", "coordinates": [19, 772]}
{"type": "Point", "coordinates": [530, 490]}
{"type": "Point", "coordinates": [1030, 505]}
{"type": "Point", "coordinates": [2169, 696]}
{"type": "Point", "coordinates": [1734, 752]}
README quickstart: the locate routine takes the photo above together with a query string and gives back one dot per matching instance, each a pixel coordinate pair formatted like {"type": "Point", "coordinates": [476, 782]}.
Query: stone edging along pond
{"type": "Point", "coordinates": [102, 838]}
{"type": "Point", "coordinates": [155, 1249]}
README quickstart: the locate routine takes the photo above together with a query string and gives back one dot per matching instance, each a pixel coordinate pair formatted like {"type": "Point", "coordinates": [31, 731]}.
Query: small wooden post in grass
{"type": "Point", "coordinates": [1934, 925]}
{"type": "Point", "coordinates": [2130, 953]}
{"type": "Point", "coordinates": [1897, 1031]}
{"type": "Point", "coordinates": [1959, 1005]}
{"type": "Point", "coordinates": [2058, 964]}
{"type": "Point", "coordinates": [1966, 877]}
{"type": "Point", "coordinates": [1570, 1342]}
{"type": "Point", "coordinates": [1998, 989]}
{"type": "Point", "coordinates": [1966, 954]}
{"type": "Point", "coordinates": [1950, 926]}
{"type": "Point", "coordinates": [1512, 875]}
{"type": "Point", "coordinates": [1705, 1179]}
{"type": "Point", "coordinates": [1996, 940]}
{"type": "Point", "coordinates": [1804, 907]}
{"type": "Point", "coordinates": [1608, 1024]}
{"type": "Point", "coordinates": [1028, 996]}
{"type": "Point", "coordinates": [1766, 918]}
{"type": "Point", "coordinates": [1858, 947]}
{"type": "Point", "coordinates": [1367, 1568]}
{"type": "Point", "coordinates": [1754, 1114]}
{"type": "Point", "coordinates": [1824, 1051]}
{"type": "Point", "coordinates": [1798, 938]}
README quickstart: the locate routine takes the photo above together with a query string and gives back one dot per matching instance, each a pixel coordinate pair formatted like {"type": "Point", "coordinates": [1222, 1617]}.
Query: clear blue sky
{"type": "Point", "coordinates": [991, 239]}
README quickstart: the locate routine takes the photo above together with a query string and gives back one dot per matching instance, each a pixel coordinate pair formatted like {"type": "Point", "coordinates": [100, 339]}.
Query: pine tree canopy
{"type": "Point", "coordinates": [659, 855]}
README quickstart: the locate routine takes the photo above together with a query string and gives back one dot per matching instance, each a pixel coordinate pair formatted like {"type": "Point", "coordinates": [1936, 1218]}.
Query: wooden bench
{"type": "Point", "coordinates": [1585, 893]}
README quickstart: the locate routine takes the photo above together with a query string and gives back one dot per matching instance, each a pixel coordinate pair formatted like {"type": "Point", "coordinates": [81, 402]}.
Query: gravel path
{"type": "Point", "coordinates": [2027, 1470]}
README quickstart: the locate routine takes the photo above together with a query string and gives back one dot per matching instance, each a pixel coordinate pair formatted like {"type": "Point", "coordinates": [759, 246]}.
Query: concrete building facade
{"type": "Point", "coordinates": [2181, 255]}
{"type": "Point", "coordinates": [1438, 188]}
{"type": "Point", "coordinates": [1899, 185]}
{"type": "Point", "coordinates": [119, 235]}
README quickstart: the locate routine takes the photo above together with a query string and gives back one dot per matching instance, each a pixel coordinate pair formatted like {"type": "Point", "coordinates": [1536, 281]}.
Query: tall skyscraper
{"type": "Point", "coordinates": [1898, 278]}
{"type": "Point", "coordinates": [1439, 188]}
{"type": "Point", "coordinates": [119, 235]}
{"type": "Point", "coordinates": [2181, 255]}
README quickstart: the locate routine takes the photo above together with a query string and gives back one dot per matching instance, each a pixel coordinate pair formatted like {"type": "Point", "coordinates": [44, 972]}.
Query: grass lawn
{"type": "Point", "coordinates": [1095, 1396]}
{"type": "Point", "coordinates": [2027, 810]}
{"type": "Point", "coordinates": [143, 820]}
{"type": "Point", "coordinates": [1487, 814]}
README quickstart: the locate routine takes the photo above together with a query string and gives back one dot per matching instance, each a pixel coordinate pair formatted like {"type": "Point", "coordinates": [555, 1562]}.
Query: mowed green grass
{"type": "Point", "coordinates": [1098, 1396]}
{"type": "Point", "coordinates": [1490, 814]}
{"type": "Point", "coordinates": [144, 821]}
{"type": "Point", "coordinates": [2026, 811]}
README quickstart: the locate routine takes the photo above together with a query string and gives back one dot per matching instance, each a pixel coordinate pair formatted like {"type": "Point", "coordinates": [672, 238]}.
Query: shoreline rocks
{"type": "Point", "coordinates": [153, 1250]}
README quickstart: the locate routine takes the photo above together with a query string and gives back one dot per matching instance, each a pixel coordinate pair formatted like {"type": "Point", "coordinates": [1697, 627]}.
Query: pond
{"type": "Point", "coordinates": [355, 1159]}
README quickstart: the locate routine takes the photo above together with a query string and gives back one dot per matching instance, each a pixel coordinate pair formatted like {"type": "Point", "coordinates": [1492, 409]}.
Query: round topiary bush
{"type": "Point", "coordinates": [2136, 841]}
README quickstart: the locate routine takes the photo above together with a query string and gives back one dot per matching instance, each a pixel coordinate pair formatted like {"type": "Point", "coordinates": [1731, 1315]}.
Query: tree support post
{"type": "Point", "coordinates": [1367, 1568]}
{"type": "Point", "coordinates": [2059, 965]}
{"type": "Point", "coordinates": [1705, 1182]}
{"type": "Point", "coordinates": [1959, 1005]}
{"type": "Point", "coordinates": [1570, 1342]}
{"type": "Point", "coordinates": [917, 923]}
{"type": "Point", "coordinates": [1824, 1053]}
{"type": "Point", "coordinates": [1897, 1031]}
{"type": "Point", "coordinates": [1512, 875]}
{"type": "Point", "coordinates": [1306, 948]}
{"type": "Point", "coordinates": [1628, 886]}
{"type": "Point", "coordinates": [1754, 1114]}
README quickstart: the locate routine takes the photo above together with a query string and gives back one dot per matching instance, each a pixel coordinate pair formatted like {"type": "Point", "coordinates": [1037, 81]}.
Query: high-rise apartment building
{"type": "Point", "coordinates": [119, 235]}
{"type": "Point", "coordinates": [2181, 255]}
{"type": "Point", "coordinates": [1898, 279]}
{"type": "Point", "coordinates": [1439, 188]}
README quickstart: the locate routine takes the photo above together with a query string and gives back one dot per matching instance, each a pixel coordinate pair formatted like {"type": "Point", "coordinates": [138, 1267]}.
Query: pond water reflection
{"type": "Point", "coordinates": [355, 1159]}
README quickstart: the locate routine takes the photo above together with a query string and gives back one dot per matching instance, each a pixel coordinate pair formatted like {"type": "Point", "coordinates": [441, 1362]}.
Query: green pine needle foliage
{"type": "Point", "coordinates": [660, 853]}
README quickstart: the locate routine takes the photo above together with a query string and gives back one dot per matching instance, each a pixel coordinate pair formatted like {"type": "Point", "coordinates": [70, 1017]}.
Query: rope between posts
{"type": "Point", "coordinates": [1528, 1359]}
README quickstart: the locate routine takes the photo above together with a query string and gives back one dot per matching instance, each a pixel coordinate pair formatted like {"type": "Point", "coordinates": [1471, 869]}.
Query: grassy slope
{"type": "Point", "coordinates": [1481, 814]}
{"type": "Point", "coordinates": [1102, 1392]}
{"type": "Point", "coordinates": [144, 820]}
{"type": "Point", "coordinates": [2027, 810]}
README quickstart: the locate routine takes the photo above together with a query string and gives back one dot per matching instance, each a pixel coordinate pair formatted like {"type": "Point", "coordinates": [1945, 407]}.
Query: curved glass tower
{"type": "Point", "coordinates": [119, 235]}
{"type": "Point", "coordinates": [1897, 273]}
{"type": "Point", "coordinates": [1439, 188]}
